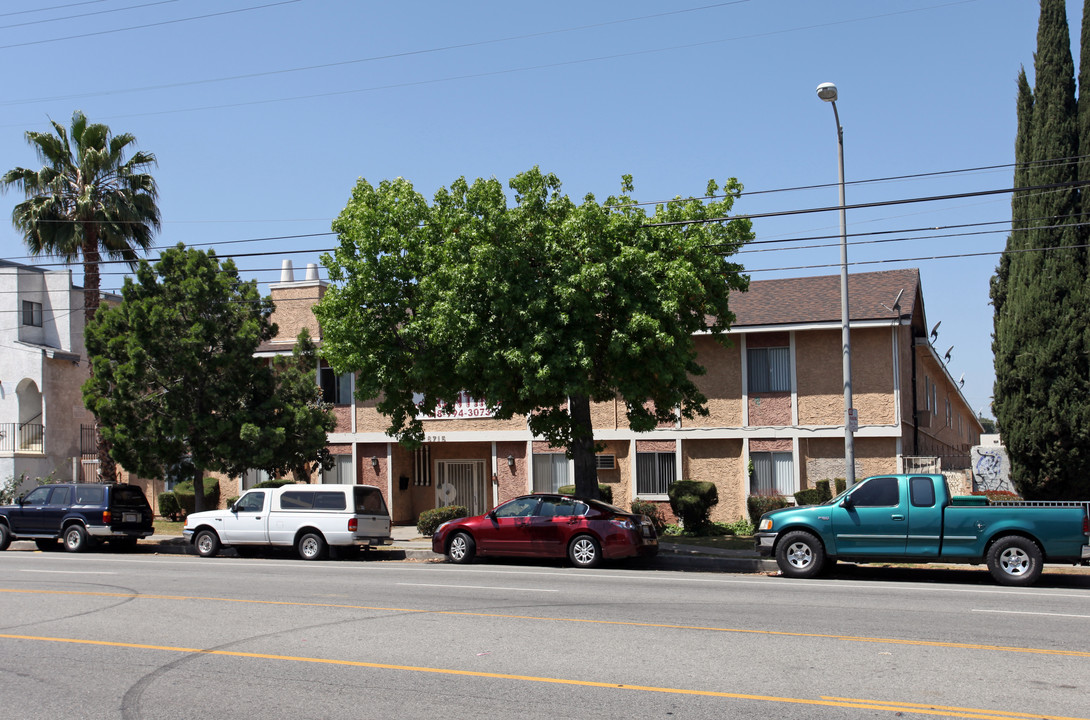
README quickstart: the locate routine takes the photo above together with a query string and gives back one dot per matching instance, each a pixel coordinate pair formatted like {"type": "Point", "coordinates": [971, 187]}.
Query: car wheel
{"type": "Point", "coordinates": [462, 548]}
{"type": "Point", "coordinates": [584, 551]}
{"type": "Point", "coordinates": [207, 543]}
{"type": "Point", "coordinates": [800, 555]}
{"type": "Point", "coordinates": [46, 545]}
{"type": "Point", "coordinates": [75, 538]}
{"type": "Point", "coordinates": [1015, 560]}
{"type": "Point", "coordinates": [311, 547]}
{"type": "Point", "coordinates": [5, 537]}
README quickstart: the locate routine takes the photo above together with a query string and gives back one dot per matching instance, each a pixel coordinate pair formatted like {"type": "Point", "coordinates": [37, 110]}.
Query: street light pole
{"type": "Point", "coordinates": [827, 92]}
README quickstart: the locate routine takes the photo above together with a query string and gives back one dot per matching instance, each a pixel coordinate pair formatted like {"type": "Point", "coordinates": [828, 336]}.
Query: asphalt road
{"type": "Point", "coordinates": [108, 635]}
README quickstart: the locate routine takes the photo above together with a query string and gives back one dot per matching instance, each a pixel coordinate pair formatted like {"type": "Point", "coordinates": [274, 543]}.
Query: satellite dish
{"type": "Point", "coordinates": [447, 493]}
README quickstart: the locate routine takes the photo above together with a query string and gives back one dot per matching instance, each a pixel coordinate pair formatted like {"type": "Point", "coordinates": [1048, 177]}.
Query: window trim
{"type": "Point", "coordinates": [659, 456]}
{"type": "Point", "coordinates": [767, 384]}
{"type": "Point", "coordinates": [33, 311]}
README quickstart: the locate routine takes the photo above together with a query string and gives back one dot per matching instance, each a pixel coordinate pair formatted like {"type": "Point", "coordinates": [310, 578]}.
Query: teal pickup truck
{"type": "Point", "coordinates": [913, 518]}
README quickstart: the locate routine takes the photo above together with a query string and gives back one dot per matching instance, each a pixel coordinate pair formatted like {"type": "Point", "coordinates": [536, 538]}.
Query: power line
{"type": "Point", "coordinates": [82, 15]}
{"type": "Point", "coordinates": [148, 25]}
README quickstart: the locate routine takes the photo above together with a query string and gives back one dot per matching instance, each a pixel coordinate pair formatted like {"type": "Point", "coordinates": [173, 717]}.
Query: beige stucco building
{"type": "Point", "coordinates": [775, 401]}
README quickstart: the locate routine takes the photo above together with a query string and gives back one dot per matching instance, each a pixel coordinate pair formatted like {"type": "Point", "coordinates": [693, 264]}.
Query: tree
{"type": "Point", "coordinates": [539, 309]}
{"type": "Point", "coordinates": [178, 384]}
{"type": "Point", "coordinates": [1040, 288]}
{"type": "Point", "coordinates": [86, 201]}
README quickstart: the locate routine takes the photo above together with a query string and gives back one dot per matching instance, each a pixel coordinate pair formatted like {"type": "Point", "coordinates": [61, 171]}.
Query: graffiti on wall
{"type": "Point", "coordinates": [991, 468]}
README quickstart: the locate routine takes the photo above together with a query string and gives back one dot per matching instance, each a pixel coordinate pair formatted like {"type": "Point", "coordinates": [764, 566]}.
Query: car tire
{"type": "Point", "coordinates": [5, 537]}
{"type": "Point", "coordinates": [461, 549]}
{"type": "Point", "coordinates": [75, 538]}
{"type": "Point", "coordinates": [46, 545]}
{"type": "Point", "coordinates": [800, 555]}
{"type": "Point", "coordinates": [207, 543]}
{"type": "Point", "coordinates": [1015, 560]}
{"type": "Point", "coordinates": [584, 551]}
{"type": "Point", "coordinates": [311, 546]}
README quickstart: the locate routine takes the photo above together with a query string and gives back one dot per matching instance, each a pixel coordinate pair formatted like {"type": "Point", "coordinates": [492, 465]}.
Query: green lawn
{"type": "Point", "coordinates": [166, 527]}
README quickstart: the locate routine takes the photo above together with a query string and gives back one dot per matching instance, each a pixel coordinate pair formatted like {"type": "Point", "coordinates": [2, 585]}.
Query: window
{"type": "Point", "coordinates": [769, 369]}
{"type": "Point", "coordinates": [562, 507]}
{"type": "Point", "coordinates": [877, 492]}
{"type": "Point", "coordinates": [251, 502]}
{"type": "Point", "coordinates": [519, 507]}
{"type": "Point", "coordinates": [336, 389]}
{"type": "Point", "coordinates": [369, 501]}
{"type": "Point", "coordinates": [655, 472]}
{"type": "Point", "coordinates": [922, 492]}
{"type": "Point", "coordinates": [250, 478]}
{"type": "Point", "coordinates": [550, 472]}
{"type": "Point", "coordinates": [306, 500]}
{"type": "Point", "coordinates": [774, 473]}
{"type": "Point", "coordinates": [341, 472]}
{"type": "Point", "coordinates": [61, 496]}
{"type": "Point", "coordinates": [32, 313]}
{"type": "Point", "coordinates": [38, 496]}
{"type": "Point", "coordinates": [948, 413]}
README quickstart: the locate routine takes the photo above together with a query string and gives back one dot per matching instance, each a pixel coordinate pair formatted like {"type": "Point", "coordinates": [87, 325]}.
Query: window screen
{"type": "Point", "coordinates": [769, 369]}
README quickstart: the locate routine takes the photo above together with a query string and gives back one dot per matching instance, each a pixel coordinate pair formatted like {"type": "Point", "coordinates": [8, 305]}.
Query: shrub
{"type": "Point", "coordinates": [812, 496]}
{"type": "Point", "coordinates": [741, 526]}
{"type": "Point", "coordinates": [184, 494]}
{"type": "Point", "coordinates": [275, 483]}
{"type": "Point", "coordinates": [429, 520]}
{"type": "Point", "coordinates": [605, 492]}
{"type": "Point", "coordinates": [841, 485]}
{"type": "Point", "coordinates": [692, 502]}
{"type": "Point", "coordinates": [652, 511]}
{"type": "Point", "coordinates": [758, 505]}
{"type": "Point", "coordinates": [232, 500]}
{"type": "Point", "coordinates": [169, 507]}
{"type": "Point", "coordinates": [823, 487]}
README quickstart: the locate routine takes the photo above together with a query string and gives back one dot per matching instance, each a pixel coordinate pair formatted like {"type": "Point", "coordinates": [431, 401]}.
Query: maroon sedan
{"type": "Point", "coordinates": [549, 526]}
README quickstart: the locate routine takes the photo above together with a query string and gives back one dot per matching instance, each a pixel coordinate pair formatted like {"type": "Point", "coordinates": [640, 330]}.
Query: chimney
{"type": "Point", "coordinates": [287, 275]}
{"type": "Point", "coordinates": [312, 271]}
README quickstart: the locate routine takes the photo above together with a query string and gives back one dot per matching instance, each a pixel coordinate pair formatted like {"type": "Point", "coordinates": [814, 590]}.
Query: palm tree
{"type": "Point", "coordinates": [88, 201]}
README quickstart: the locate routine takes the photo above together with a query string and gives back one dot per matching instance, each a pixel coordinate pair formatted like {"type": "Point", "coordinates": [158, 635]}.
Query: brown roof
{"type": "Point", "coordinates": [817, 299]}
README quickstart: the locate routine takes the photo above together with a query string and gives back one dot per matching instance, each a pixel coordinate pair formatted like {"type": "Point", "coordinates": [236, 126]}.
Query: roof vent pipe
{"type": "Point", "coordinates": [286, 273]}
{"type": "Point", "coordinates": [312, 271]}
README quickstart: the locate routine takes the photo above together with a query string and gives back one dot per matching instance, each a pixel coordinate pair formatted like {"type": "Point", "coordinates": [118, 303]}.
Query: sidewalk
{"type": "Point", "coordinates": [410, 545]}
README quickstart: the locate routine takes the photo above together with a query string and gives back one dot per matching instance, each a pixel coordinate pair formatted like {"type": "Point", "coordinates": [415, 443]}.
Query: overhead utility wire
{"type": "Point", "coordinates": [89, 14]}
{"type": "Point", "coordinates": [53, 7]}
{"type": "Point", "coordinates": [373, 58]}
{"type": "Point", "coordinates": [543, 66]}
{"type": "Point", "coordinates": [148, 25]}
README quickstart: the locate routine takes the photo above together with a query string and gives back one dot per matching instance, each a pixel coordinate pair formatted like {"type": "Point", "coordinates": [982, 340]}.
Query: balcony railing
{"type": "Point", "coordinates": [22, 437]}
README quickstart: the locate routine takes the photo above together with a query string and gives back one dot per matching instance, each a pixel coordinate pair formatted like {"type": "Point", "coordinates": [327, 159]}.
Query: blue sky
{"type": "Point", "coordinates": [263, 114]}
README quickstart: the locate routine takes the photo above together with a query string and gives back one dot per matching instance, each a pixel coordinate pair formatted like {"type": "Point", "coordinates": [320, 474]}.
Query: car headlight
{"type": "Point", "coordinates": [766, 524]}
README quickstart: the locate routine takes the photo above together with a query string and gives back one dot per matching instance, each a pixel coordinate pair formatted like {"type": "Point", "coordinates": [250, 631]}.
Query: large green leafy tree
{"type": "Point", "coordinates": [87, 201]}
{"type": "Point", "coordinates": [540, 307]}
{"type": "Point", "coordinates": [1039, 291]}
{"type": "Point", "coordinates": [177, 383]}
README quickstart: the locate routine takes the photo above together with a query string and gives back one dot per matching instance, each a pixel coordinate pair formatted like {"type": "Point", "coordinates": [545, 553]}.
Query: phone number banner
{"type": "Point", "coordinates": [465, 407]}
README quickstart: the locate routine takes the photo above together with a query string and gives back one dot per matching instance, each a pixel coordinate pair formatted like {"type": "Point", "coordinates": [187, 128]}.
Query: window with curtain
{"type": "Point", "coordinates": [550, 472]}
{"type": "Point", "coordinates": [341, 472]}
{"type": "Point", "coordinates": [774, 473]}
{"type": "Point", "coordinates": [336, 389]}
{"type": "Point", "coordinates": [655, 472]}
{"type": "Point", "coordinates": [768, 369]}
{"type": "Point", "coordinates": [253, 477]}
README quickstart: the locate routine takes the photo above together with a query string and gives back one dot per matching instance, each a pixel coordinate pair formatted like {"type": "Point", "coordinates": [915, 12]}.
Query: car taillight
{"type": "Point", "coordinates": [106, 517]}
{"type": "Point", "coordinates": [353, 523]}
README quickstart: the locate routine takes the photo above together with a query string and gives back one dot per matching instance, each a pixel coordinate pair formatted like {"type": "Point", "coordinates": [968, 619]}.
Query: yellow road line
{"type": "Point", "coordinates": [622, 623]}
{"type": "Point", "coordinates": [888, 706]}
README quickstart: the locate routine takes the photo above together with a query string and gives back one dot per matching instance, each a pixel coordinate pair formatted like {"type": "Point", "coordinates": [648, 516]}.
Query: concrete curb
{"type": "Point", "coordinates": [670, 557]}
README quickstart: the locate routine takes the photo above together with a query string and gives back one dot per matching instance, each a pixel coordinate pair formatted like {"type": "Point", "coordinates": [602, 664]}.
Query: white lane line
{"type": "Point", "coordinates": [1030, 612]}
{"type": "Point", "coordinates": [477, 587]}
{"type": "Point", "coordinates": [70, 572]}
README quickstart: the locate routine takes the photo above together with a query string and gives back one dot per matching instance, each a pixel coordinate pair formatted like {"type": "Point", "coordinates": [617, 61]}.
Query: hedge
{"type": "Point", "coordinates": [758, 505]}
{"type": "Point", "coordinates": [653, 513]}
{"type": "Point", "coordinates": [184, 494]}
{"type": "Point", "coordinates": [605, 492]}
{"type": "Point", "coordinates": [430, 520]}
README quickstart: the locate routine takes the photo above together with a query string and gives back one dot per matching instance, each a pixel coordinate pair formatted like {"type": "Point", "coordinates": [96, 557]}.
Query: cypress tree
{"type": "Point", "coordinates": [1041, 367]}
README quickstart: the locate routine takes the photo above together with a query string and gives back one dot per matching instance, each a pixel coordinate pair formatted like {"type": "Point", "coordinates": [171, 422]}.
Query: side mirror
{"type": "Point", "coordinates": [232, 508]}
{"type": "Point", "coordinates": [847, 503]}
{"type": "Point", "coordinates": [19, 500]}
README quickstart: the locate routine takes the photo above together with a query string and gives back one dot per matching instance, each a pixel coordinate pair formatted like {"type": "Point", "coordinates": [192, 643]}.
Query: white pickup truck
{"type": "Point", "coordinates": [310, 518]}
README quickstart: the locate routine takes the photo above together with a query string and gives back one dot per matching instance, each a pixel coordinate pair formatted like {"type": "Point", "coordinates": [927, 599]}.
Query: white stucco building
{"type": "Point", "coordinates": [42, 367]}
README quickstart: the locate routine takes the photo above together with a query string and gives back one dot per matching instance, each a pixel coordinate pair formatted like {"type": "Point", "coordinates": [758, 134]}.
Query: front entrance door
{"type": "Point", "coordinates": [461, 482]}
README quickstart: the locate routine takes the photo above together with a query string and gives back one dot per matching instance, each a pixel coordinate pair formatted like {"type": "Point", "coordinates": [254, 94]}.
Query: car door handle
{"type": "Point", "coordinates": [897, 517]}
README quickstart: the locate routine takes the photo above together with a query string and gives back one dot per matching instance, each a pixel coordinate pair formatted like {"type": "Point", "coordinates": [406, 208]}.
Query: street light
{"type": "Point", "coordinates": [827, 92]}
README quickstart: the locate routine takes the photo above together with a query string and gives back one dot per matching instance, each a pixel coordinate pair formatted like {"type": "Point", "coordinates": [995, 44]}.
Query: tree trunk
{"type": "Point", "coordinates": [198, 490]}
{"type": "Point", "coordinates": [582, 447]}
{"type": "Point", "coordinates": [107, 468]}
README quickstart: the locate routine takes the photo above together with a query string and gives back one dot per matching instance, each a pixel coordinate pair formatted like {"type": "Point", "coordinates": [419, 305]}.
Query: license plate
{"type": "Point", "coordinates": [131, 517]}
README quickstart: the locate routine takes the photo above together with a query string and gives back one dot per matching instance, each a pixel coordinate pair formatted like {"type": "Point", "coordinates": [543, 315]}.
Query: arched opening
{"type": "Point", "coordinates": [29, 432]}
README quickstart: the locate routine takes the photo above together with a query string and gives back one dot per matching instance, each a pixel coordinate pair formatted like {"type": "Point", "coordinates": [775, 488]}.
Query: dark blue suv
{"type": "Point", "coordinates": [77, 514]}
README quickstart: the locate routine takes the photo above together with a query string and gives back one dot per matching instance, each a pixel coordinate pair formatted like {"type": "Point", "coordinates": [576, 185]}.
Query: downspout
{"type": "Point", "coordinates": [915, 407]}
